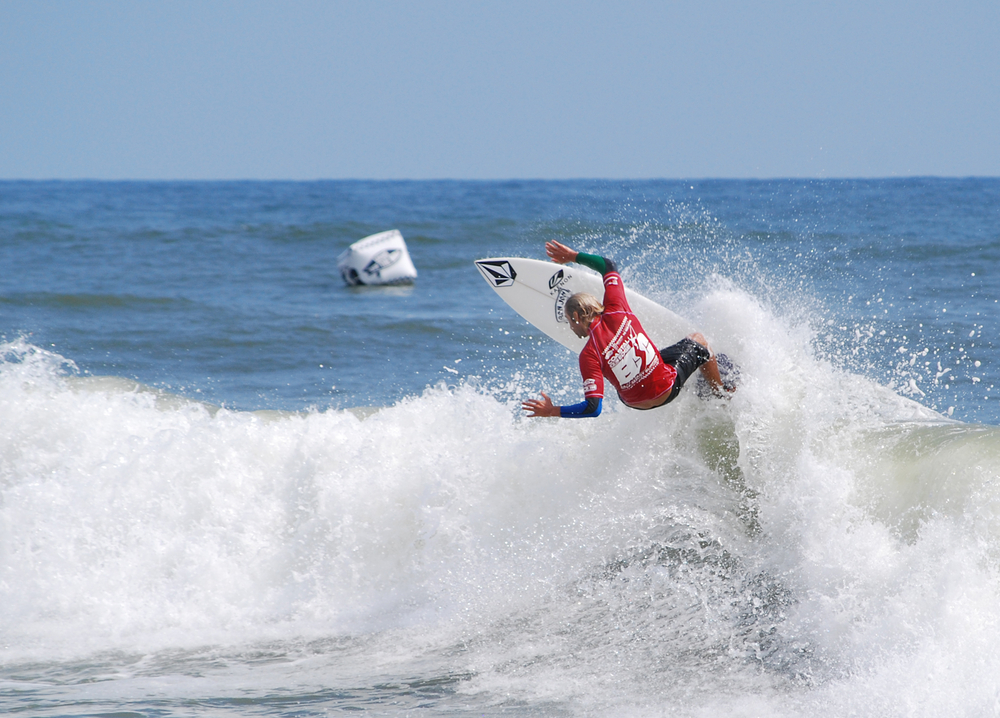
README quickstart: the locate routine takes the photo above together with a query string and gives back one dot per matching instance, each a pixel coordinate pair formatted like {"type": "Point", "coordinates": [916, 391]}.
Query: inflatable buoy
{"type": "Point", "coordinates": [378, 259]}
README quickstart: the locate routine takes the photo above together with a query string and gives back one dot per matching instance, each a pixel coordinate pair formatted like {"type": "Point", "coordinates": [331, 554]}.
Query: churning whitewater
{"type": "Point", "coordinates": [815, 541]}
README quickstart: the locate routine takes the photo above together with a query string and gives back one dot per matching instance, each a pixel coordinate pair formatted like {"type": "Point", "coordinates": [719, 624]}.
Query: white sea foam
{"type": "Point", "coordinates": [816, 544]}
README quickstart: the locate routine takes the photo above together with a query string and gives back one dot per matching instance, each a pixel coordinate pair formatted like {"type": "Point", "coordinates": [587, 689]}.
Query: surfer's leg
{"type": "Point", "coordinates": [685, 356]}
{"type": "Point", "coordinates": [710, 369]}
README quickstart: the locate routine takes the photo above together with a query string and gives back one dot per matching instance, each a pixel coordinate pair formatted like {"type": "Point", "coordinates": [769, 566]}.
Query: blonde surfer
{"type": "Point", "coordinates": [619, 350]}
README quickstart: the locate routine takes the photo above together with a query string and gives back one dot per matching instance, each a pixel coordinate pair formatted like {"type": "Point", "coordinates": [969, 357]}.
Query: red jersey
{"type": "Point", "coordinates": [620, 350]}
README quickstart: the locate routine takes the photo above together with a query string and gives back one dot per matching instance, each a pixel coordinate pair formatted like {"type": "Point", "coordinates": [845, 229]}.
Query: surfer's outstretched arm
{"type": "Point", "coordinates": [561, 254]}
{"type": "Point", "coordinates": [544, 407]}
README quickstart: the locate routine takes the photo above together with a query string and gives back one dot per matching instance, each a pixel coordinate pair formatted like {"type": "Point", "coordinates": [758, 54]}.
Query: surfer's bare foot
{"type": "Point", "coordinates": [723, 392]}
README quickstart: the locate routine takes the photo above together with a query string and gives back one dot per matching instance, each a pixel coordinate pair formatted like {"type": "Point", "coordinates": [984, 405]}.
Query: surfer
{"type": "Point", "coordinates": [619, 349]}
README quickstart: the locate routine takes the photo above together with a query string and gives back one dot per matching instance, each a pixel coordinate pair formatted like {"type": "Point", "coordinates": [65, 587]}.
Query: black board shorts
{"type": "Point", "coordinates": [685, 356]}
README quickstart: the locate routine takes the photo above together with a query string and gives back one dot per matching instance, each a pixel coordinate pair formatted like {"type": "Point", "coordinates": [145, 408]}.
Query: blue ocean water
{"type": "Point", "coordinates": [229, 291]}
{"type": "Point", "coordinates": [230, 484]}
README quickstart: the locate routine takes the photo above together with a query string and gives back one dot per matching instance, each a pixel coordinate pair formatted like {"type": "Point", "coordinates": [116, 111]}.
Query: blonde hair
{"type": "Point", "coordinates": [584, 304]}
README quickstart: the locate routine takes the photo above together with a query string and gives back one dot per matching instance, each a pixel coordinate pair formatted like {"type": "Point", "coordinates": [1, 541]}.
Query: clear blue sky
{"type": "Point", "coordinates": [213, 89]}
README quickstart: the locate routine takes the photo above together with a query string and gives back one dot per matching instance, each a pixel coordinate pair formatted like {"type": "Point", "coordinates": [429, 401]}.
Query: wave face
{"type": "Point", "coordinates": [818, 543]}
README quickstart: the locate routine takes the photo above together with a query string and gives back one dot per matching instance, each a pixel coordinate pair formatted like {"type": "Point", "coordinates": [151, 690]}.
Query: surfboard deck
{"type": "Point", "coordinates": [538, 290]}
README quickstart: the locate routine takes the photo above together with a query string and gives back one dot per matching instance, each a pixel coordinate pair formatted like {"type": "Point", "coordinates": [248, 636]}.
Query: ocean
{"type": "Point", "coordinates": [232, 485]}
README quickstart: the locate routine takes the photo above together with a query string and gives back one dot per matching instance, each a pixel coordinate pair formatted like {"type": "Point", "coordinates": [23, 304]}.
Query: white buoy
{"type": "Point", "coordinates": [378, 259]}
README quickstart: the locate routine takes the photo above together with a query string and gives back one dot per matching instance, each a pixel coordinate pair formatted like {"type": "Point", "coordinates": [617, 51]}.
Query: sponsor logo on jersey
{"type": "Point", "coordinates": [613, 346]}
{"type": "Point", "coordinates": [589, 385]}
{"type": "Point", "coordinates": [499, 273]}
{"type": "Point", "coordinates": [630, 355]}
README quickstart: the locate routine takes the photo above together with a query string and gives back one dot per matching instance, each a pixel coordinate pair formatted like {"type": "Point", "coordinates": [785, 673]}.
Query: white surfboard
{"type": "Point", "coordinates": [538, 291]}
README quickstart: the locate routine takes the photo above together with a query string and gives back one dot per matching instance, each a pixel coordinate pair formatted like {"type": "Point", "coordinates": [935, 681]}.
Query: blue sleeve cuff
{"type": "Point", "coordinates": [584, 410]}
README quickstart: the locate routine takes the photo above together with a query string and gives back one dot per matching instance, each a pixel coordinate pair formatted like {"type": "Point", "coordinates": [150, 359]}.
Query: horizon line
{"type": "Point", "coordinates": [787, 178]}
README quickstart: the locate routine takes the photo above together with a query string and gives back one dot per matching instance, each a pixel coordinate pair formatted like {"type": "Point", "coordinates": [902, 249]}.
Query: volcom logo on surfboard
{"type": "Point", "coordinates": [499, 273]}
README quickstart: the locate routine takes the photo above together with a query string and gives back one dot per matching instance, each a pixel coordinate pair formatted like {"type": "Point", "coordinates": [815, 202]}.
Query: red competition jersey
{"type": "Point", "coordinates": [620, 350]}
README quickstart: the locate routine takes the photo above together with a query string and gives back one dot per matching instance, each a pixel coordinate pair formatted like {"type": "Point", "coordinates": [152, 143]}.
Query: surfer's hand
{"type": "Point", "coordinates": [540, 407]}
{"type": "Point", "coordinates": [560, 253]}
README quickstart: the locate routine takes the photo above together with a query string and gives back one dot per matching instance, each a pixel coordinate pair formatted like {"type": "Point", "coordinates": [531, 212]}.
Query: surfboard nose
{"type": "Point", "coordinates": [498, 272]}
